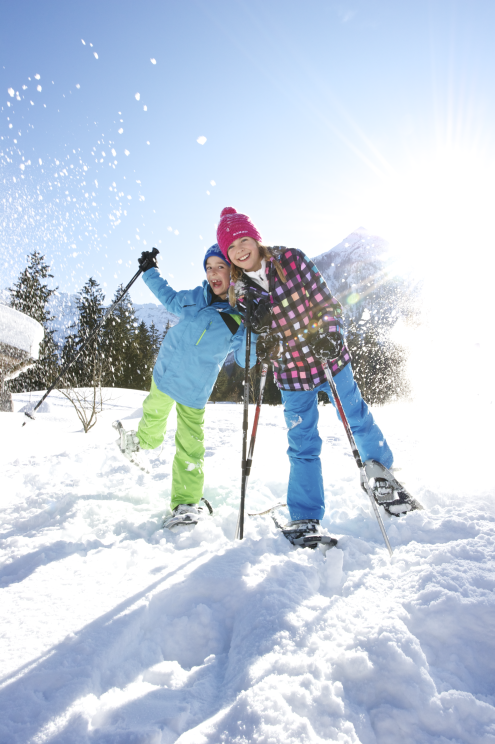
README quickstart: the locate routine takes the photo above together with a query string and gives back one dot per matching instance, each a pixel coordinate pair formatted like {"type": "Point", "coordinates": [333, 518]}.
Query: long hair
{"type": "Point", "coordinates": [236, 272]}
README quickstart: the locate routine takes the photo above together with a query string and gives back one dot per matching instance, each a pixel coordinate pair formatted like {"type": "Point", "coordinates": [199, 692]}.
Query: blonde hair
{"type": "Point", "coordinates": [236, 272]}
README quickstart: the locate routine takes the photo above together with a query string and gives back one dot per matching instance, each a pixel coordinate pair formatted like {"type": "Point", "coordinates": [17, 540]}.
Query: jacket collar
{"type": "Point", "coordinates": [223, 306]}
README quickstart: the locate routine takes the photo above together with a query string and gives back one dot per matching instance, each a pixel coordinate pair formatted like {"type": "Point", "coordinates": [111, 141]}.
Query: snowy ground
{"type": "Point", "coordinates": [113, 631]}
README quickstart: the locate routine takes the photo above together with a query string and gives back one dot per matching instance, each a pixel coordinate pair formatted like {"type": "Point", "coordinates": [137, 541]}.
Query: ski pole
{"type": "Point", "coordinates": [69, 364]}
{"type": "Point", "coordinates": [264, 371]}
{"type": "Point", "coordinates": [362, 472]}
{"type": "Point", "coordinates": [245, 420]}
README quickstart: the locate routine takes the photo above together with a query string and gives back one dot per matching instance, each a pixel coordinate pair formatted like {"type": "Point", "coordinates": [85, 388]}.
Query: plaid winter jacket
{"type": "Point", "coordinates": [297, 306]}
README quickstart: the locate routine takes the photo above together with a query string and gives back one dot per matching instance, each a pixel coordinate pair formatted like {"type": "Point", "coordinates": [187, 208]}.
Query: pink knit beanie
{"type": "Point", "coordinates": [233, 225]}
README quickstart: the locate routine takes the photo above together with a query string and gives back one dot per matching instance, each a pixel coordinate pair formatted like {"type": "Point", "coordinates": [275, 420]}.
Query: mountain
{"type": "Point", "coordinates": [361, 272]}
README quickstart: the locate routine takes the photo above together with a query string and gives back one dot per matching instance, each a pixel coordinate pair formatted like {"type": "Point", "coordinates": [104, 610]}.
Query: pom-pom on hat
{"type": "Point", "coordinates": [214, 250]}
{"type": "Point", "coordinates": [234, 225]}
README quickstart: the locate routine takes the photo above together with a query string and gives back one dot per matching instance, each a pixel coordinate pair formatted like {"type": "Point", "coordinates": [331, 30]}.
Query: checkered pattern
{"type": "Point", "coordinates": [298, 305]}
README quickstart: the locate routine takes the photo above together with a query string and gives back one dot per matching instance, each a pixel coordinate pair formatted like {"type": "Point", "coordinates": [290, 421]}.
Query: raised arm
{"type": "Point", "coordinates": [174, 301]}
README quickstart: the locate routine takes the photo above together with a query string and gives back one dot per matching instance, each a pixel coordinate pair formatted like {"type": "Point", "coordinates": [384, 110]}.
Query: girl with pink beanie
{"type": "Point", "coordinates": [302, 330]}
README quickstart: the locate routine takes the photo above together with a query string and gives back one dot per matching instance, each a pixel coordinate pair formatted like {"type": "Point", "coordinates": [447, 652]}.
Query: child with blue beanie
{"type": "Point", "coordinates": [186, 369]}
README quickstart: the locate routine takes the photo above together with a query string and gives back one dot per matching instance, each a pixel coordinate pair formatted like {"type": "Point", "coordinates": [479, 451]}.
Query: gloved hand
{"type": "Point", "coordinates": [269, 348]}
{"type": "Point", "coordinates": [148, 260]}
{"type": "Point", "coordinates": [261, 320]}
{"type": "Point", "coordinates": [326, 345]}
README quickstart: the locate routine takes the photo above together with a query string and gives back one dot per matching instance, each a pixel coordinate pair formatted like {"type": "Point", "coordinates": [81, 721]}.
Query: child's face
{"type": "Point", "coordinates": [245, 254]}
{"type": "Point", "coordinates": [218, 276]}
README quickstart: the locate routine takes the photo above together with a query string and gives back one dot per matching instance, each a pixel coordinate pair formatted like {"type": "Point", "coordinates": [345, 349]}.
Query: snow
{"type": "Point", "coordinates": [115, 631]}
{"type": "Point", "coordinates": [20, 331]}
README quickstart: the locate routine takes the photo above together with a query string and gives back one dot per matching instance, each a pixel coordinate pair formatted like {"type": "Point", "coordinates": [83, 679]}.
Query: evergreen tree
{"type": "Point", "coordinates": [146, 355]}
{"type": "Point", "coordinates": [89, 369]}
{"type": "Point", "coordinates": [167, 328]}
{"type": "Point", "coordinates": [122, 348]}
{"type": "Point", "coordinates": [156, 339]}
{"type": "Point", "coordinates": [30, 295]}
{"type": "Point", "coordinates": [379, 365]}
{"type": "Point", "coordinates": [272, 394]}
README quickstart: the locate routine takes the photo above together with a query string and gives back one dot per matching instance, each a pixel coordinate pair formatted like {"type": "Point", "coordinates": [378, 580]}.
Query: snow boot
{"type": "Point", "coordinates": [187, 515]}
{"type": "Point", "coordinates": [387, 490]}
{"type": "Point", "coordinates": [306, 533]}
{"type": "Point", "coordinates": [128, 444]}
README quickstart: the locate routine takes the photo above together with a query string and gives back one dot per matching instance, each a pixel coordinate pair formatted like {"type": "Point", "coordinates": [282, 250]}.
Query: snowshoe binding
{"type": "Point", "coordinates": [187, 515]}
{"type": "Point", "coordinates": [128, 444]}
{"type": "Point", "coordinates": [305, 533]}
{"type": "Point", "coordinates": [387, 490]}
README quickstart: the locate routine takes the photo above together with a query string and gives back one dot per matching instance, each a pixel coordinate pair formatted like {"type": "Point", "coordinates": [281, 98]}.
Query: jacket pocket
{"type": "Point", "coordinates": [199, 339]}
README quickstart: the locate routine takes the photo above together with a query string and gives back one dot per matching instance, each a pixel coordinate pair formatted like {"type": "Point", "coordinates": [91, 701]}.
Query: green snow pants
{"type": "Point", "coordinates": [187, 469]}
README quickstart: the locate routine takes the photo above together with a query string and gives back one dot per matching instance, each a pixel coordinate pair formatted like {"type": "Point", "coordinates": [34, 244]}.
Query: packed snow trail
{"type": "Point", "coordinates": [113, 630]}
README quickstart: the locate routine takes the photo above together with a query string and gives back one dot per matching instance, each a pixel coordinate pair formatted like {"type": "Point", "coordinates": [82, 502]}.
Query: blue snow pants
{"type": "Point", "coordinates": [305, 497]}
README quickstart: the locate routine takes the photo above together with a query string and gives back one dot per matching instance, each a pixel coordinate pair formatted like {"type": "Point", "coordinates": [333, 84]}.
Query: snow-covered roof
{"type": "Point", "coordinates": [20, 331]}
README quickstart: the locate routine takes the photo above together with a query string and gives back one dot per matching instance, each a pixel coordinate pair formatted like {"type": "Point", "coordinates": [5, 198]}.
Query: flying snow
{"type": "Point", "coordinates": [11, 92]}
{"type": "Point", "coordinates": [137, 96]}
{"type": "Point", "coordinates": [96, 55]}
{"type": "Point", "coordinates": [153, 61]}
{"type": "Point", "coordinates": [201, 140]}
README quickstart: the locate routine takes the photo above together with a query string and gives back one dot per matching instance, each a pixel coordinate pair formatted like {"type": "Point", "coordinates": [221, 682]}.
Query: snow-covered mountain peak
{"type": "Point", "coordinates": [357, 270]}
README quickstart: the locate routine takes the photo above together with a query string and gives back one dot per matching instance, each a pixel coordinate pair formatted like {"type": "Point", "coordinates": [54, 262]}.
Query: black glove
{"type": "Point", "coordinates": [148, 260]}
{"type": "Point", "coordinates": [269, 348]}
{"type": "Point", "coordinates": [261, 319]}
{"type": "Point", "coordinates": [326, 345]}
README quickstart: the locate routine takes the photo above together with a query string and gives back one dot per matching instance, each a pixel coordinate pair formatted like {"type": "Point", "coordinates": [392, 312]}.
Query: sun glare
{"type": "Point", "coordinates": [439, 208]}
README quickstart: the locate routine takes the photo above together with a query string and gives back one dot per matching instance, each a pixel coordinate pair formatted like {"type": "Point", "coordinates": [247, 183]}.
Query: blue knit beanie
{"type": "Point", "coordinates": [214, 250]}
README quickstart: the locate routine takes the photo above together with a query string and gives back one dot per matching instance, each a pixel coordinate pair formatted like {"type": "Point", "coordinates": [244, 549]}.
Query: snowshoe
{"type": "Point", "coordinates": [187, 515]}
{"type": "Point", "coordinates": [128, 444]}
{"type": "Point", "coordinates": [387, 490]}
{"type": "Point", "coordinates": [305, 533]}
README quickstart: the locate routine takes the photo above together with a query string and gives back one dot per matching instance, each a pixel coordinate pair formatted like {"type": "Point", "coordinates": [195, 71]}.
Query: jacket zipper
{"type": "Point", "coordinates": [199, 339]}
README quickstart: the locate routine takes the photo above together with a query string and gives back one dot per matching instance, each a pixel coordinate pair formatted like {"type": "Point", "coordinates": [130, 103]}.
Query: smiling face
{"type": "Point", "coordinates": [218, 276]}
{"type": "Point", "coordinates": [245, 254]}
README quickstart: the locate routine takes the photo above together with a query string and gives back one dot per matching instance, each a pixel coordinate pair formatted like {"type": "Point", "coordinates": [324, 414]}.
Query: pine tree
{"type": "Point", "coordinates": [156, 339]}
{"type": "Point", "coordinates": [146, 356]}
{"type": "Point", "coordinates": [379, 365]}
{"type": "Point", "coordinates": [89, 368]}
{"type": "Point", "coordinates": [272, 394]}
{"type": "Point", "coordinates": [122, 348]}
{"type": "Point", "coordinates": [30, 295]}
{"type": "Point", "coordinates": [167, 328]}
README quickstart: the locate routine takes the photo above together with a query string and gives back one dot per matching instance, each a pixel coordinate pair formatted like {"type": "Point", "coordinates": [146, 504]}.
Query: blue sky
{"type": "Point", "coordinates": [319, 117]}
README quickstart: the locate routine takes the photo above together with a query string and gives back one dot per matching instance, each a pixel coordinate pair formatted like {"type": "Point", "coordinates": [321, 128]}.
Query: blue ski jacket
{"type": "Point", "coordinates": [194, 350]}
